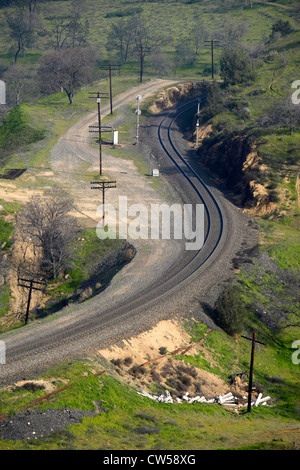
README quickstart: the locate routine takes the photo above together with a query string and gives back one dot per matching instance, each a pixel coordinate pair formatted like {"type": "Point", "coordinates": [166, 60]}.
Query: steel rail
{"type": "Point", "coordinates": [150, 296]}
{"type": "Point", "coordinates": [192, 170]}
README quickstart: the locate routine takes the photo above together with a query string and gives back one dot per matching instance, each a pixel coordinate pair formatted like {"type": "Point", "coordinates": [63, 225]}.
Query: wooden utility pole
{"type": "Point", "coordinates": [213, 43]}
{"type": "Point", "coordinates": [253, 340]}
{"type": "Point", "coordinates": [98, 96]}
{"type": "Point", "coordinates": [30, 285]}
{"type": "Point", "coordinates": [110, 67]}
{"type": "Point", "coordinates": [197, 121]}
{"type": "Point", "coordinates": [102, 186]}
{"type": "Point", "coordinates": [138, 112]}
{"type": "Point", "coordinates": [142, 50]}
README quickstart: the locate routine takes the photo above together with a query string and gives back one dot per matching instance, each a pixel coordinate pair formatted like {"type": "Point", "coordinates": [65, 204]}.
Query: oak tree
{"type": "Point", "coordinates": [66, 69]}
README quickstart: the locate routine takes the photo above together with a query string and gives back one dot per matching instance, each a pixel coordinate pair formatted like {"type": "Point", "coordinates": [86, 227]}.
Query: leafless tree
{"type": "Point", "coordinates": [66, 69]}
{"type": "Point", "coordinates": [121, 38]}
{"type": "Point", "coordinates": [160, 62]}
{"type": "Point", "coordinates": [21, 30]}
{"type": "Point", "coordinates": [48, 231]}
{"type": "Point", "coordinates": [231, 32]}
{"type": "Point", "coordinates": [145, 42]}
{"type": "Point", "coordinates": [20, 84]}
{"type": "Point", "coordinates": [185, 54]}
{"type": "Point", "coordinates": [199, 35]}
{"type": "Point", "coordinates": [283, 113]}
{"type": "Point", "coordinates": [68, 31]}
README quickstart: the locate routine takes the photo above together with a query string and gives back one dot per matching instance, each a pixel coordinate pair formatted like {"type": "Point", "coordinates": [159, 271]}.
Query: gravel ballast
{"type": "Point", "coordinates": [35, 424]}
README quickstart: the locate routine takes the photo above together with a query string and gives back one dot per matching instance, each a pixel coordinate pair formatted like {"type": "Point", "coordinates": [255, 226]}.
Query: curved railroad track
{"type": "Point", "coordinates": [33, 348]}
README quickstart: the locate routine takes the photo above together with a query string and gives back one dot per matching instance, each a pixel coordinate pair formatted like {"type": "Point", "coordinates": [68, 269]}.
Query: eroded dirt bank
{"type": "Point", "coordinates": [237, 162]}
{"type": "Point", "coordinates": [234, 158]}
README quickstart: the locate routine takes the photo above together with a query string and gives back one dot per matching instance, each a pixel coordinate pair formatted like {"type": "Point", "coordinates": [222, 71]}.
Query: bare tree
{"type": "Point", "coordinates": [20, 84]}
{"type": "Point", "coordinates": [145, 43]}
{"type": "Point", "coordinates": [66, 69]}
{"type": "Point", "coordinates": [68, 31]}
{"type": "Point", "coordinates": [231, 32]}
{"type": "Point", "coordinates": [283, 113]}
{"type": "Point", "coordinates": [199, 35]}
{"type": "Point", "coordinates": [47, 228]}
{"type": "Point", "coordinates": [185, 54]}
{"type": "Point", "coordinates": [160, 62]}
{"type": "Point", "coordinates": [121, 38]}
{"type": "Point", "coordinates": [22, 32]}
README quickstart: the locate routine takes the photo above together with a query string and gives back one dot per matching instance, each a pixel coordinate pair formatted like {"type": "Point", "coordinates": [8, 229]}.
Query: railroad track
{"type": "Point", "coordinates": [30, 352]}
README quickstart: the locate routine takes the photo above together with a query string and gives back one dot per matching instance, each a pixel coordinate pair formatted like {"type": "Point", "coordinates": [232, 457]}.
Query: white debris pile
{"type": "Point", "coordinates": [260, 400]}
{"type": "Point", "coordinates": [227, 399]}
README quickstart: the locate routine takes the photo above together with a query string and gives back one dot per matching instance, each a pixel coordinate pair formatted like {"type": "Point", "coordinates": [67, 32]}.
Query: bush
{"type": "Point", "coordinates": [282, 27]}
{"type": "Point", "coordinates": [236, 67]}
{"type": "Point", "coordinates": [17, 123]}
{"type": "Point", "coordinates": [214, 102]}
{"type": "Point", "coordinates": [230, 310]}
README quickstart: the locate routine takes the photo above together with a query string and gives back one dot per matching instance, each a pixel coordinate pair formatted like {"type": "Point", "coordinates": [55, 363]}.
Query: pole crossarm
{"type": "Point", "coordinates": [103, 129]}
{"type": "Point", "coordinates": [28, 287]}
{"type": "Point", "coordinates": [250, 339]}
{"type": "Point", "coordinates": [98, 94]}
{"type": "Point", "coordinates": [103, 184]}
{"type": "Point", "coordinates": [43, 283]}
{"type": "Point", "coordinates": [109, 67]}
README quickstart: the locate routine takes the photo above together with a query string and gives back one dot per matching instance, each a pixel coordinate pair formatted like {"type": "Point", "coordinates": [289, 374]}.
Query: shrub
{"type": "Point", "coordinates": [163, 350]}
{"type": "Point", "coordinates": [127, 361]}
{"type": "Point", "coordinates": [282, 27]}
{"type": "Point", "coordinates": [230, 310]}
{"type": "Point", "coordinates": [137, 370]}
{"type": "Point", "coordinates": [236, 66]}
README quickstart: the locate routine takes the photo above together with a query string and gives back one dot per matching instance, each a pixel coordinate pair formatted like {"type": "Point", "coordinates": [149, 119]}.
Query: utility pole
{"type": "Point", "coordinates": [138, 112]}
{"type": "Point", "coordinates": [98, 96]}
{"type": "Point", "coordinates": [142, 52]}
{"type": "Point", "coordinates": [30, 284]}
{"type": "Point", "coordinates": [253, 340]}
{"type": "Point", "coordinates": [102, 186]}
{"type": "Point", "coordinates": [197, 121]}
{"type": "Point", "coordinates": [110, 67]}
{"type": "Point", "coordinates": [213, 43]}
